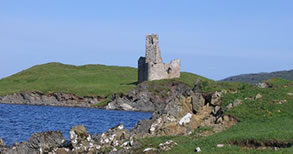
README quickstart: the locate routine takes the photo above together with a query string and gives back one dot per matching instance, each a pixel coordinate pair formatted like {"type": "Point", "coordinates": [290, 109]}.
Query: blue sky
{"type": "Point", "coordinates": [213, 38]}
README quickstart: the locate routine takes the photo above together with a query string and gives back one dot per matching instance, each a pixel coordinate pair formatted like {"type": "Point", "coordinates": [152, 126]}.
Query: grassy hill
{"type": "Point", "coordinates": [87, 80]}
{"type": "Point", "coordinates": [268, 120]}
{"type": "Point", "coordinates": [259, 77]}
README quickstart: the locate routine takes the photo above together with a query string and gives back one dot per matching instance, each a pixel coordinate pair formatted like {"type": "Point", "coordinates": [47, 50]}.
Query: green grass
{"type": "Point", "coordinates": [87, 80]}
{"type": "Point", "coordinates": [80, 80]}
{"type": "Point", "coordinates": [258, 120]}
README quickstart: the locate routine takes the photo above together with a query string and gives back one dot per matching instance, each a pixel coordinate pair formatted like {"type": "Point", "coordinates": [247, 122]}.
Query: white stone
{"type": "Point", "coordinates": [89, 138]}
{"type": "Point", "coordinates": [220, 145]}
{"type": "Point", "coordinates": [127, 107]}
{"type": "Point", "coordinates": [149, 149]}
{"type": "Point", "coordinates": [120, 127]}
{"type": "Point", "coordinates": [185, 119]}
{"type": "Point", "coordinates": [197, 149]}
{"type": "Point", "coordinates": [114, 150]}
{"type": "Point", "coordinates": [156, 124]}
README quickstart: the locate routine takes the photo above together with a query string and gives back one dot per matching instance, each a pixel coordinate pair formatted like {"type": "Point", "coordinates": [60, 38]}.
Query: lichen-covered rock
{"type": "Point", "coordinates": [82, 141]}
{"type": "Point", "coordinates": [168, 145]}
{"type": "Point", "coordinates": [216, 98]}
{"type": "Point", "coordinates": [115, 136]}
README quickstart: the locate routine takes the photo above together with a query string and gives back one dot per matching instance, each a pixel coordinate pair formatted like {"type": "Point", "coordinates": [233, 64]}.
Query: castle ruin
{"type": "Point", "coordinates": [151, 67]}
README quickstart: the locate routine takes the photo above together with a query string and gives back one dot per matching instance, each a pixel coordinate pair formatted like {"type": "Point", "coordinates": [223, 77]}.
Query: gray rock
{"type": "Point", "coordinates": [198, 102]}
{"type": "Point", "coordinates": [217, 110]}
{"type": "Point", "coordinates": [39, 143]}
{"type": "Point", "coordinates": [196, 85]}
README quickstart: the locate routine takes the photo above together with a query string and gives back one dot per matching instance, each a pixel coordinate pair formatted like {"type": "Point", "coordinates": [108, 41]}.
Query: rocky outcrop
{"type": "Point", "coordinates": [184, 112]}
{"type": "Point", "coordinates": [53, 99]}
{"type": "Point", "coordinates": [39, 143]}
{"type": "Point", "coordinates": [147, 97]}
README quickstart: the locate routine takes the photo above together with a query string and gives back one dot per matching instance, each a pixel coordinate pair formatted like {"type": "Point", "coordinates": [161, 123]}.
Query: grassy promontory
{"type": "Point", "coordinates": [265, 123]}
{"type": "Point", "coordinates": [87, 80]}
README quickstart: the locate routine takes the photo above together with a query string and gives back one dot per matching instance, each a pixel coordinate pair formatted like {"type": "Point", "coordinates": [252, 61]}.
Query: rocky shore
{"type": "Point", "coordinates": [53, 99]}
{"type": "Point", "coordinates": [177, 110]}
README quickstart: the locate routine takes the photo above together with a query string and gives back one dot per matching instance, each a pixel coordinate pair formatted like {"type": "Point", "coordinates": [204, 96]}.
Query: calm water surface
{"type": "Point", "coordinates": [19, 122]}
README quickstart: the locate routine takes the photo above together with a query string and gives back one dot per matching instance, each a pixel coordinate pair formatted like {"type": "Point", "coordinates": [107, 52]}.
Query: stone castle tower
{"type": "Point", "coordinates": [151, 67]}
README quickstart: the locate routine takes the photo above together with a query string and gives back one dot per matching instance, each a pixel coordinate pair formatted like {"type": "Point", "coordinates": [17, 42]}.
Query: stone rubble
{"type": "Point", "coordinates": [168, 145]}
{"type": "Point", "coordinates": [236, 103]}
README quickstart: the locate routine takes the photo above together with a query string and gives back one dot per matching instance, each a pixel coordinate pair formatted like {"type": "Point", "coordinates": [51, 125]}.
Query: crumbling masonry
{"type": "Point", "coordinates": [151, 67]}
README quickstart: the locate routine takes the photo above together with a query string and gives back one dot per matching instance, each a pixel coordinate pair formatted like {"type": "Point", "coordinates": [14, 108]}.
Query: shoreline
{"type": "Point", "coordinates": [100, 108]}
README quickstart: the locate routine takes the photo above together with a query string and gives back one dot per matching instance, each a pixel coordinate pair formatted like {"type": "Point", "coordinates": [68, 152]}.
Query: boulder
{"type": "Point", "coordinates": [258, 96]}
{"type": "Point", "coordinates": [198, 102]}
{"type": "Point", "coordinates": [216, 98]}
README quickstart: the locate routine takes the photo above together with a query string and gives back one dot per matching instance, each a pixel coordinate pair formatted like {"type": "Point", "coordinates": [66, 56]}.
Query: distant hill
{"type": "Point", "coordinates": [259, 77]}
{"type": "Point", "coordinates": [86, 80]}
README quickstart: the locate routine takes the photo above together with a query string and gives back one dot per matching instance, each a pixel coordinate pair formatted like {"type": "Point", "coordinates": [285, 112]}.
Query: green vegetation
{"type": "Point", "coordinates": [87, 80]}
{"type": "Point", "coordinates": [263, 120]}
{"type": "Point", "coordinates": [80, 80]}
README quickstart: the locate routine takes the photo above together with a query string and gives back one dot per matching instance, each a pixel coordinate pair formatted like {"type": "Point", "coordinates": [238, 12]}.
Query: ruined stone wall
{"type": "Point", "coordinates": [152, 67]}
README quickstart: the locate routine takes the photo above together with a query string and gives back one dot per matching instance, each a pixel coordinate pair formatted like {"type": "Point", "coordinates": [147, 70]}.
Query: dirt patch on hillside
{"type": "Point", "coordinates": [256, 144]}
